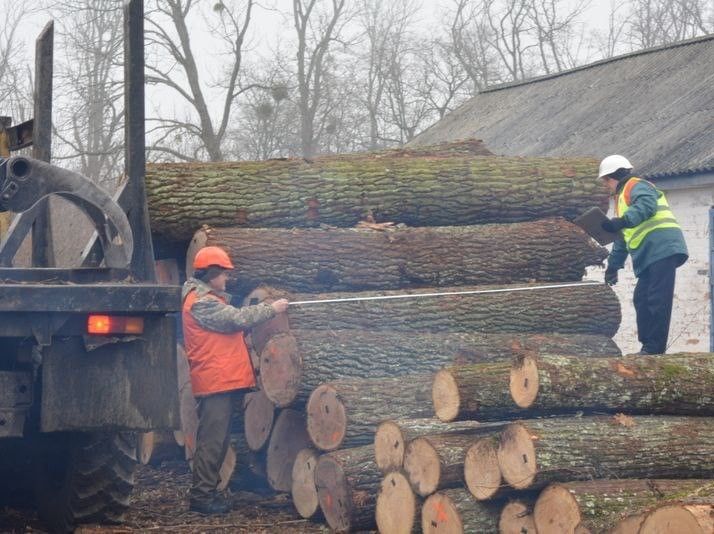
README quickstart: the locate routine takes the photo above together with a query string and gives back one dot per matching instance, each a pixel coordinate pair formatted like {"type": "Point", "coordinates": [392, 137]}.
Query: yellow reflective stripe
{"type": "Point", "coordinates": [652, 224]}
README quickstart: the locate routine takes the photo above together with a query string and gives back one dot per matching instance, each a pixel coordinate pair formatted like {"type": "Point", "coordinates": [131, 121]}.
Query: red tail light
{"type": "Point", "coordinates": [111, 324]}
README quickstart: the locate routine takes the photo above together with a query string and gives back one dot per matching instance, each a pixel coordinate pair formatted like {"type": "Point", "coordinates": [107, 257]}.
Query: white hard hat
{"type": "Point", "coordinates": [611, 163]}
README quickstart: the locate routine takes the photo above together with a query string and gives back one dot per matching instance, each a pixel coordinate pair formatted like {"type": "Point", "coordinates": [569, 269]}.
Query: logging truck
{"type": "Point", "coordinates": [88, 352]}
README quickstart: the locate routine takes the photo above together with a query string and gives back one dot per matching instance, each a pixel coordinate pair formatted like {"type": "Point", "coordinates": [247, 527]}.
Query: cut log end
{"type": "Point", "coordinates": [396, 505]}
{"type": "Point", "coordinates": [145, 447]}
{"type": "Point", "coordinates": [556, 511]}
{"type": "Point", "coordinates": [516, 456]}
{"type": "Point", "coordinates": [481, 471]}
{"type": "Point", "coordinates": [281, 369]}
{"type": "Point", "coordinates": [389, 447]}
{"type": "Point", "coordinates": [445, 396]}
{"type": "Point", "coordinates": [326, 418]}
{"type": "Point", "coordinates": [670, 518]}
{"type": "Point", "coordinates": [258, 419]}
{"type": "Point", "coordinates": [629, 525]}
{"type": "Point", "coordinates": [287, 439]}
{"type": "Point", "coordinates": [516, 519]}
{"type": "Point", "coordinates": [524, 382]}
{"type": "Point", "coordinates": [333, 494]}
{"type": "Point", "coordinates": [422, 466]}
{"type": "Point", "coordinates": [304, 491]}
{"type": "Point", "coordinates": [440, 516]}
{"type": "Point", "coordinates": [228, 467]}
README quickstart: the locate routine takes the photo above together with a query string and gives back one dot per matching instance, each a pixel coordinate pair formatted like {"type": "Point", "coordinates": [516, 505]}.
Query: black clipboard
{"type": "Point", "coordinates": [591, 221]}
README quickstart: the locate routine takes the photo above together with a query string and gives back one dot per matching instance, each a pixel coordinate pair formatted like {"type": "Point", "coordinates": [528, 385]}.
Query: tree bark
{"type": "Point", "coordinates": [341, 191]}
{"type": "Point", "coordinates": [287, 439]}
{"type": "Point", "coordinates": [350, 259]}
{"type": "Point", "coordinates": [590, 309]}
{"type": "Point", "coordinates": [536, 452]}
{"type": "Point", "coordinates": [455, 511]}
{"type": "Point", "coordinates": [347, 485]}
{"type": "Point", "coordinates": [303, 490]}
{"type": "Point", "coordinates": [326, 355]}
{"type": "Point", "coordinates": [475, 391]}
{"type": "Point", "coordinates": [437, 461]}
{"type": "Point", "coordinates": [599, 505]}
{"type": "Point", "coordinates": [668, 384]}
{"type": "Point", "coordinates": [397, 509]}
{"type": "Point", "coordinates": [391, 438]}
{"type": "Point", "coordinates": [346, 413]}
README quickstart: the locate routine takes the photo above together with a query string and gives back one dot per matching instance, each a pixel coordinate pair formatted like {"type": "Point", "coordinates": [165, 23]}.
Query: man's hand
{"type": "Point", "coordinates": [611, 277]}
{"type": "Point", "coordinates": [280, 305]}
{"type": "Point", "coordinates": [613, 225]}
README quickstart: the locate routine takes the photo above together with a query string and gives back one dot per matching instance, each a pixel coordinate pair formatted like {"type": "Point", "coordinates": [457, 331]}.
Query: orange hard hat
{"type": "Point", "coordinates": [208, 256]}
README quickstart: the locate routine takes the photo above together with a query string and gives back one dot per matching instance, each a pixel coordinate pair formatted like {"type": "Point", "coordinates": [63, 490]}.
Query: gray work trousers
{"type": "Point", "coordinates": [212, 441]}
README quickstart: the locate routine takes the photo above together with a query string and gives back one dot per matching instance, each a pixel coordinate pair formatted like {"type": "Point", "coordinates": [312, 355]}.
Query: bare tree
{"type": "Point", "coordinates": [609, 41]}
{"type": "Point", "coordinates": [656, 22]}
{"type": "Point", "coordinates": [15, 71]}
{"type": "Point", "coordinates": [89, 89]}
{"type": "Point", "coordinates": [317, 28]}
{"type": "Point", "coordinates": [176, 67]}
{"type": "Point", "coordinates": [470, 37]}
{"type": "Point", "coordinates": [555, 24]}
{"type": "Point", "coordinates": [385, 26]}
{"type": "Point", "coordinates": [445, 79]}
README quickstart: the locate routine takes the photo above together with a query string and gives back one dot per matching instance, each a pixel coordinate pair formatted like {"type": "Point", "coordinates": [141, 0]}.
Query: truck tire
{"type": "Point", "coordinates": [83, 477]}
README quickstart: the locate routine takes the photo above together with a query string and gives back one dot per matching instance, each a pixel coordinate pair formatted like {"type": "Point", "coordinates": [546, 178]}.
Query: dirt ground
{"type": "Point", "coordinates": [160, 504]}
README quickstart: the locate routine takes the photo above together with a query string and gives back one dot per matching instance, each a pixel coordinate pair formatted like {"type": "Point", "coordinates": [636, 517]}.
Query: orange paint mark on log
{"type": "Point", "coordinates": [624, 420]}
{"type": "Point", "coordinates": [623, 370]}
{"type": "Point", "coordinates": [692, 341]}
{"type": "Point", "coordinates": [328, 500]}
{"type": "Point", "coordinates": [441, 516]}
{"type": "Point", "coordinates": [335, 435]}
{"type": "Point", "coordinates": [569, 172]}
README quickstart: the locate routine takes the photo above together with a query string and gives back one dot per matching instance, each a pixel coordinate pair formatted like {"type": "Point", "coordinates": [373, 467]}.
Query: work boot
{"type": "Point", "coordinates": [218, 505]}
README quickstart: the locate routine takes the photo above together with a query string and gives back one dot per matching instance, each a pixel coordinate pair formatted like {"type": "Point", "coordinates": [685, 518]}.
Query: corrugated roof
{"type": "Point", "coordinates": [654, 106]}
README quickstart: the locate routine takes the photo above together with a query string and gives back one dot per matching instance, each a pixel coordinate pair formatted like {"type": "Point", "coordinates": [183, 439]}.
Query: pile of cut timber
{"type": "Point", "coordinates": [344, 416]}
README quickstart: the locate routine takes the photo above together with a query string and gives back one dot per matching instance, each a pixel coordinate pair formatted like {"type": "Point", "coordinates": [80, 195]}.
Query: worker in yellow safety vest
{"type": "Point", "coordinates": [650, 233]}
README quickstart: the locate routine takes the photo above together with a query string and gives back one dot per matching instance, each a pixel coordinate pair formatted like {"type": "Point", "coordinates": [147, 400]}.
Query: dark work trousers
{"type": "Point", "coordinates": [212, 441]}
{"type": "Point", "coordinates": [653, 303]}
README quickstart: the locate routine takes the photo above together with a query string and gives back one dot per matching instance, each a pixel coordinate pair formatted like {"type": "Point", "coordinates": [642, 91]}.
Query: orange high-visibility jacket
{"type": "Point", "coordinates": [219, 362]}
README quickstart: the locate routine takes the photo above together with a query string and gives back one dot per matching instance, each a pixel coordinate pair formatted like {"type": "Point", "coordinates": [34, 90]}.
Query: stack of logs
{"type": "Point", "coordinates": [332, 375]}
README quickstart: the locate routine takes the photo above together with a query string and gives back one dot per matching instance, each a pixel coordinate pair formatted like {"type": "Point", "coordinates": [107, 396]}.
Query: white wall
{"type": "Point", "coordinates": [689, 331]}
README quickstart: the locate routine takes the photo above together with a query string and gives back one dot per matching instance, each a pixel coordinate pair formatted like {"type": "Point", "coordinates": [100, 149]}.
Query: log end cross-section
{"type": "Point", "coordinates": [326, 418]}
{"type": "Point", "coordinates": [516, 456]}
{"type": "Point", "coordinates": [445, 396]}
{"type": "Point", "coordinates": [281, 369]}
{"type": "Point", "coordinates": [440, 516]}
{"type": "Point", "coordinates": [670, 518]}
{"type": "Point", "coordinates": [396, 505]}
{"type": "Point", "coordinates": [556, 510]}
{"type": "Point", "coordinates": [288, 438]}
{"type": "Point", "coordinates": [516, 518]}
{"type": "Point", "coordinates": [524, 382]}
{"type": "Point", "coordinates": [481, 471]}
{"type": "Point", "coordinates": [258, 419]}
{"type": "Point", "coordinates": [304, 491]}
{"type": "Point", "coordinates": [389, 446]}
{"type": "Point", "coordinates": [422, 465]}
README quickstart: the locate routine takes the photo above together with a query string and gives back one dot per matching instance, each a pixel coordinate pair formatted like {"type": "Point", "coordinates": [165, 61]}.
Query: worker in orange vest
{"type": "Point", "coordinates": [221, 370]}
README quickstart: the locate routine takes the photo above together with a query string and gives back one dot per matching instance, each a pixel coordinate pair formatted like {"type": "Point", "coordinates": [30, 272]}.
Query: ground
{"type": "Point", "coordinates": [160, 504]}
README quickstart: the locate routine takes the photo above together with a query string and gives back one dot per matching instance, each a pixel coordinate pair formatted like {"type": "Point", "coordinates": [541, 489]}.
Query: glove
{"type": "Point", "coordinates": [613, 225]}
{"type": "Point", "coordinates": [611, 277]}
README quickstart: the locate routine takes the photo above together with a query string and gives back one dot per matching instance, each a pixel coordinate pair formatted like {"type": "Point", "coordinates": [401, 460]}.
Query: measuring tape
{"type": "Point", "coordinates": [442, 294]}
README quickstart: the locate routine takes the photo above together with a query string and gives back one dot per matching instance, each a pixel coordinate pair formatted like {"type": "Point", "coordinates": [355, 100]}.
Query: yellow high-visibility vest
{"type": "Point", "coordinates": [663, 217]}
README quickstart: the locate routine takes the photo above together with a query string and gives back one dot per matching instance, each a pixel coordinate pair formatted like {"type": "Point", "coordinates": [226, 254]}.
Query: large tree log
{"type": "Point", "coordinates": [599, 505]}
{"type": "Point", "coordinates": [536, 452]}
{"type": "Point", "coordinates": [291, 370]}
{"type": "Point", "coordinates": [347, 484]}
{"type": "Point", "coordinates": [588, 309]}
{"type": "Point", "coordinates": [342, 191]}
{"type": "Point", "coordinates": [397, 509]}
{"type": "Point", "coordinates": [349, 259]}
{"type": "Point", "coordinates": [391, 438]}
{"type": "Point", "coordinates": [517, 518]}
{"type": "Point", "coordinates": [473, 391]}
{"type": "Point", "coordinates": [680, 517]}
{"type": "Point", "coordinates": [671, 384]}
{"type": "Point", "coordinates": [258, 419]}
{"type": "Point", "coordinates": [437, 461]}
{"type": "Point", "coordinates": [454, 511]}
{"type": "Point", "coordinates": [346, 413]}
{"type": "Point", "coordinates": [286, 441]}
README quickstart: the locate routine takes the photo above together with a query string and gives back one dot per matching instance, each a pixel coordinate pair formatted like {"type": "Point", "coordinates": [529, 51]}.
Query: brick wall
{"type": "Point", "coordinates": [689, 331]}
